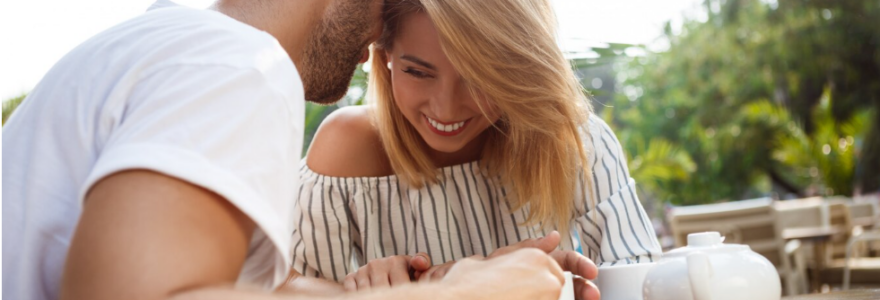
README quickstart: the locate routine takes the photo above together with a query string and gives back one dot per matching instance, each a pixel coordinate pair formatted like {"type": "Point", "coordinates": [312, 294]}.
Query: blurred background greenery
{"type": "Point", "coordinates": [760, 98]}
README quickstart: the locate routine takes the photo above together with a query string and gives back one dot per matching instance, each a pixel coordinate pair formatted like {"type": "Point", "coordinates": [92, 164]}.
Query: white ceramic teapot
{"type": "Point", "coordinates": [708, 270]}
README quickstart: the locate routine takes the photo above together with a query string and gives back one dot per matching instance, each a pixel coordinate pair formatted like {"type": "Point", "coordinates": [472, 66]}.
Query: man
{"type": "Point", "coordinates": [157, 159]}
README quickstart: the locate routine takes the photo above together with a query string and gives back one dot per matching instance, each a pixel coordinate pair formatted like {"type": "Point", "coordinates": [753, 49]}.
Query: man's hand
{"type": "Point", "coordinates": [546, 244]}
{"type": "Point", "coordinates": [521, 274]}
{"type": "Point", "coordinates": [387, 272]}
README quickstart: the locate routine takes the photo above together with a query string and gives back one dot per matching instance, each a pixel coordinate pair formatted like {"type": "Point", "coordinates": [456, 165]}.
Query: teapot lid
{"type": "Point", "coordinates": [708, 242]}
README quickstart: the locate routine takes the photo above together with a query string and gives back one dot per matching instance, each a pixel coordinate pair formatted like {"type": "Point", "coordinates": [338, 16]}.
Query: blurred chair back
{"type": "Point", "coordinates": [799, 213]}
{"type": "Point", "coordinates": [840, 217]}
{"type": "Point", "coordinates": [862, 210]}
{"type": "Point", "coordinates": [748, 222]}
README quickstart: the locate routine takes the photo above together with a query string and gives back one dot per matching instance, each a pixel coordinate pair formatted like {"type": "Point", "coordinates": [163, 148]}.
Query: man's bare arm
{"type": "Point", "coordinates": [144, 235]}
{"type": "Point", "coordinates": [301, 285]}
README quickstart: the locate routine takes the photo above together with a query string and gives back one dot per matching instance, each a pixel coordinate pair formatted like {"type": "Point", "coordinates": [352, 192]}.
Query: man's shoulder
{"type": "Point", "coordinates": [201, 42]}
{"type": "Point", "coordinates": [218, 40]}
{"type": "Point", "coordinates": [198, 36]}
{"type": "Point", "coordinates": [347, 144]}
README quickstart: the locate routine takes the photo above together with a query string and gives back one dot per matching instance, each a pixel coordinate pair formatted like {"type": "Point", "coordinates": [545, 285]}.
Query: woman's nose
{"type": "Point", "coordinates": [448, 104]}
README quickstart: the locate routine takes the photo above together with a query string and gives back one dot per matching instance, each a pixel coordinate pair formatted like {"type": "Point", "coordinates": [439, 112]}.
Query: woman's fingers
{"type": "Point", "coordinates": [381, 279]}
{"type": "Point", "coordinates": [400, 271]}
{"type": "Point", "coordinates": [436, 272]}
{"type": "Point", "coordinates": [440, 272]}
{"type": "Point", "coordinates": [420, 262]}
{"type": "Point", "coordinates": [349, 283]}
{"type": "Point", "coordinates": [426, 276]}
{"type": "Point", "coordinates": [387, 272]}
{"type": "Point", "coordinates": [363, 281]}
{"type": "Point", "coordinates": [585, 290]}
{"type": "Point", "coordinates": [576, 263]}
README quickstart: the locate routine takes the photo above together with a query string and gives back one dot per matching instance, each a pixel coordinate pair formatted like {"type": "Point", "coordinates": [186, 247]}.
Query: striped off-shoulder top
{"type": "Point", "coordinates": [343, 223]}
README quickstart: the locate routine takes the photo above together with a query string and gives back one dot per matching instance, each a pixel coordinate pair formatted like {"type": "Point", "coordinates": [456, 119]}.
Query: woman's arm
{"type": "Point", "coordinates": [612, 223]}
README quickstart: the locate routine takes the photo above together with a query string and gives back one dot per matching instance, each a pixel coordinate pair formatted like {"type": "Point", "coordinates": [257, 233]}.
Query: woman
{"type": "Point", "coordinates": [478, 136]}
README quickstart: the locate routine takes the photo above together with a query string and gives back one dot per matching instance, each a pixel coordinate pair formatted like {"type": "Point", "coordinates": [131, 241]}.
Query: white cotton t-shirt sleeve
{"type": "Point", "coordinates": [227, 129]}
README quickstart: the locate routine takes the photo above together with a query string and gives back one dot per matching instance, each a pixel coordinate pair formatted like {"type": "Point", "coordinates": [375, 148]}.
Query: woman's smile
{"type": "Point", "coordinates": [445, 129]}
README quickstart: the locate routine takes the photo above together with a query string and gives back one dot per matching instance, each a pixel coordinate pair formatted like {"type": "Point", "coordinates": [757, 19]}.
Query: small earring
{"type": "Point", "coordinates": [388, 65]}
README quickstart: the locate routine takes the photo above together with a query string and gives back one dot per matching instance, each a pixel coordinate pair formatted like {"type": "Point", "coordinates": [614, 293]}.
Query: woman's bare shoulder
{"type": "Point", "coordinates": [347, 144]}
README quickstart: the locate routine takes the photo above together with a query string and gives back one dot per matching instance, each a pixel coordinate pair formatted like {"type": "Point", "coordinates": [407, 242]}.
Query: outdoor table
{"type": "Point", "coordinates": [847, 295]}
{"type": "Point", "coordinates": [865, 222]}
{"type": "Point", "coordinates": [818, 236]}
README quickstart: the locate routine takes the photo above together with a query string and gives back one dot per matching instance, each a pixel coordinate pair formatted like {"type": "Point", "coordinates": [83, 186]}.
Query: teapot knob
{"type": "Point", "coordinates": [703, 239]}
{"type": "Point", "coordinates": [700, 274]}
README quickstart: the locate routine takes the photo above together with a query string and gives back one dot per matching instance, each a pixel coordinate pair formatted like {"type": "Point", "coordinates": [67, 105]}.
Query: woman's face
{"type": "Point", "coordinates": [428, 90]}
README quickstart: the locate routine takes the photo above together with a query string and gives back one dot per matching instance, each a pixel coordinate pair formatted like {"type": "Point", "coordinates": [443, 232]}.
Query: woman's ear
{"type": "Point", "coordinates": [387, 59]}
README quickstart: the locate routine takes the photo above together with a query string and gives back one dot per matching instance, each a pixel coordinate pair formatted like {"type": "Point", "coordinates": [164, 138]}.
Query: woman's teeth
{"type": "Point", "coordinates": [445, 128]}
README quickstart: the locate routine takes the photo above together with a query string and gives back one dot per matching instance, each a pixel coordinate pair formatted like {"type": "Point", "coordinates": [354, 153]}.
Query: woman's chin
{"type": "Point", "coordinates": [445, 148]}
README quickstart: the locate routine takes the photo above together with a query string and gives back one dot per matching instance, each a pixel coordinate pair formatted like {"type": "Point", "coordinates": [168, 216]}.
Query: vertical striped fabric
{"type": "Point", "coordinates": [342, 223]}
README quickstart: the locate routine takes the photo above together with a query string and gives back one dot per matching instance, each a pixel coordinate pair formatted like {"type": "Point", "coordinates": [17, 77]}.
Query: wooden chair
{"type": "Point", "coordinates": [748, 222]}
{"type": "Point", "coordinates": [846, 263]}
{"type": "Point", "coordinates": [865, 217]}
{"type": "Point", "coordinates": [799, 213]}
{"type": "Point", "coordinates": [871, 266]}
{"type": "Point", "coordinates": [839, 216]}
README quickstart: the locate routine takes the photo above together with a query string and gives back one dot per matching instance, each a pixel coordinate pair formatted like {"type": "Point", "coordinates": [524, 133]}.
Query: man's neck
{"type": "Point", "coordinates": [290, 22]}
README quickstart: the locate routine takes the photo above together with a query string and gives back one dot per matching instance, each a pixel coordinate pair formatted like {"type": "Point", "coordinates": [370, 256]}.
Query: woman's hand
{"type": "Point", "coordinates": [570, 261]}
{"type": "Point", "coordinates": [387, 272]}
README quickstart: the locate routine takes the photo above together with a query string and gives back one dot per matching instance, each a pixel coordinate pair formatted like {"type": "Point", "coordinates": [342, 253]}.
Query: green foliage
{"type": "Point", "coordinates": [760, 99]}
{"type": "Point", "coordinates": [9, 106]}
{"type": "Point", "coordinates": [315, 113]}
{"type": "Point", "coordinates": [658, 163]}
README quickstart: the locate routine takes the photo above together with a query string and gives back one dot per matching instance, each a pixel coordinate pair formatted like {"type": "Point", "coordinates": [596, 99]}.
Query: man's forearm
{"type": "Point", "coordinates": [424, 291]}
{"type": "Point", "coordinates": [301, 286]}
{"type": "Point", "coordinates": [416, 291]}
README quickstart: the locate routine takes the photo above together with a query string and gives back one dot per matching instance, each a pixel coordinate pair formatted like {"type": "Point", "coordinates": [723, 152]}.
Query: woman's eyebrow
{"type": "Point", "coordinates": [418, 61]}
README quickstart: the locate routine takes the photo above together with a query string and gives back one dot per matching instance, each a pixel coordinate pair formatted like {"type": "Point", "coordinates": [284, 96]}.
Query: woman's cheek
{"type": "Point", "coordinates": [408, 93]}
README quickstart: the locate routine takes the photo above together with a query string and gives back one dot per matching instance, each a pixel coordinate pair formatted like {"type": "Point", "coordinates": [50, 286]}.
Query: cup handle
{"type": "Point", "coordinates": [567, 288]}
{"type": "Point", "coordinates": [700, 274]}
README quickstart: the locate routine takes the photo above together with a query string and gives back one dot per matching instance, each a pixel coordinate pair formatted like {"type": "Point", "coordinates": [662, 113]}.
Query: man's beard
{"type": "Point", "coordinates": [334, 50]}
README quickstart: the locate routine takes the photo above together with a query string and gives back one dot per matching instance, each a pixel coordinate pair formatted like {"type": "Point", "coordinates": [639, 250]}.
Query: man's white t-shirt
{"type": "Point", "coordinates": [190, 93]}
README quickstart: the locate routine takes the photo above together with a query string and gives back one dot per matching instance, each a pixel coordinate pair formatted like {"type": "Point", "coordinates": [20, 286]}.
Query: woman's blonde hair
{"type": "Point", "coordinates": [506, 50]}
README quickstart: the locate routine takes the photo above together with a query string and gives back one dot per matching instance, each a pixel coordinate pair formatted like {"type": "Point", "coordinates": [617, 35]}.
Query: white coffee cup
{"type": "Point", "coordinates": [623, 282]}
{"type": "Point", "coordinates": [567, 288]}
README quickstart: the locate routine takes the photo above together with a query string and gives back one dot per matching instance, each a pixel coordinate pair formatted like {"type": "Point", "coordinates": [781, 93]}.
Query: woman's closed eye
{"type": "Point", "coordinates": [416, 73]}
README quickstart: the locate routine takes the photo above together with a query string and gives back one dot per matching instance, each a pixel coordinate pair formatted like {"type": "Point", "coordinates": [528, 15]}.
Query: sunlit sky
{"type": "Point", "coordinates": [37, 33]}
